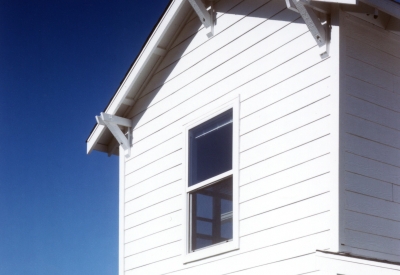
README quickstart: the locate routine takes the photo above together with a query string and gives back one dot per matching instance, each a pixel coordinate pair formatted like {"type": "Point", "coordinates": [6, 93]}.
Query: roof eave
{"type": "Point", "coordinates": [143, 58]}
{"type": "Point", "coordinates": [387, 6]}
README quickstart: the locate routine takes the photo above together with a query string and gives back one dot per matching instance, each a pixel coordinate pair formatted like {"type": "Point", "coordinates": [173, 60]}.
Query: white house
{"type": "Point", "coordinates": [260, 137]}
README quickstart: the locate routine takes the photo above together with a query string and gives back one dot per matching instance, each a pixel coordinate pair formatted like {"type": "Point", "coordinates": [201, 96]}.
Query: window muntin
{"type": "Point", "coordinates": [211, 214]}
{"type": "Point", "coordinates": [210, 148]}
{"type": "Point", "coordinates": [227, 237]}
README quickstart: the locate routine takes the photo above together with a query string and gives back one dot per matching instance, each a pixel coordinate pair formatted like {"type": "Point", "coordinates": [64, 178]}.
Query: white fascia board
{"type": "Point", "coordinates": [94, 137]}
{"type": "Point", "coordinates": [387, 6]}
{"type": "Point", "coordinates": [137, 68]}
{"type": "Point", "coordinates": [348, 265]}
{"type": "Point", "coordinates": [144, 56]}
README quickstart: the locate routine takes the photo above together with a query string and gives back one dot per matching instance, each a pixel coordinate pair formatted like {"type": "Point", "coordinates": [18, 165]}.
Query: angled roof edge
{"type": "Point", "coordinates": [388, 6]}
{"type": "Point", "coordinates": [137, 67]}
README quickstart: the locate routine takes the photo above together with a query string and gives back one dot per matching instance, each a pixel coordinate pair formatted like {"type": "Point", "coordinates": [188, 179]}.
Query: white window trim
{"type": "Point", "coordinates": [234, 243]}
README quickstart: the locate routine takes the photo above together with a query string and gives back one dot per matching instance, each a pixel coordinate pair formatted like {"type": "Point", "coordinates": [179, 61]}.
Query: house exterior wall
{"type": "Point", "coordinates": [371, 133]}
{"type": "Point", "coordinates": [262, 53]}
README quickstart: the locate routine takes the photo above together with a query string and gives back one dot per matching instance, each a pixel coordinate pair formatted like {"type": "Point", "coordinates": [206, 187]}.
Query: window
{"type": "Point", "coordinates": [211, 189]}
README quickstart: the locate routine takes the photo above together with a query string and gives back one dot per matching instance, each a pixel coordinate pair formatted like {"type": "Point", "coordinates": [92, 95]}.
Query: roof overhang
{"type": "Point", "coordinates": [151, 53]}
{"type": "Point", "coordinates": [177, 12]}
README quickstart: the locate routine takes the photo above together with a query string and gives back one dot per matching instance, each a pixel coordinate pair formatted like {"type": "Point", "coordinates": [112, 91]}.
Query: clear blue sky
{"type": "Point", "coordinates": [60, 63]}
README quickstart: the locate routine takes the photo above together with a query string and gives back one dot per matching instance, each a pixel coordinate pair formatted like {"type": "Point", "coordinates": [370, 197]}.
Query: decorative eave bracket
{"type": "Point", "coordinates": [320, 32]}
{"type": "Point", "coordinates": [112, 122]}
{"type": "Point", "coordinates": [206, 17]}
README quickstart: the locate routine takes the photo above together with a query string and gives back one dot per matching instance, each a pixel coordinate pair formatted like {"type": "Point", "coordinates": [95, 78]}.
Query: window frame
{"type": "Point", "coordinates": [233, 244]}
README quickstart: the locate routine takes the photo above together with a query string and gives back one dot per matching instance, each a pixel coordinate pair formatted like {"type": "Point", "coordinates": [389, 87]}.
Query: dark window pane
{"type": "Point", "coordinates": [212, 214]}
{"type": "Point", "coordinates": [204, 228]}
{"type": "Point", "coordinates": [210, 148]}
{"type": "Point", "coordinates": [202, 243]}
{"type": "Point", "coordinates": [206, 211]}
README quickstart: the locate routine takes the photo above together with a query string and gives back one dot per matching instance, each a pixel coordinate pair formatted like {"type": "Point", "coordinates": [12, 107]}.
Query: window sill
{"type": "Point", "coordinates": [214, 250]}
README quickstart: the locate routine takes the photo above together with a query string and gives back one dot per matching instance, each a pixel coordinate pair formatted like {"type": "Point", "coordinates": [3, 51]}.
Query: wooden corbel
{"type": "Point", "coordinates": [206, 17]}
{"type": "Point", "coordinates": [112, 122]}
{"type": "Point", "coordinates": [320, 32]}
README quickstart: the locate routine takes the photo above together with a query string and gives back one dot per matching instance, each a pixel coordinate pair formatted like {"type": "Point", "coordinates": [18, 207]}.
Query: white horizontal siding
{"type": "Point", "coordinates": [269, 255]}
{"type": "Point", "coordinates": [291, 194]}
{"type": "Point", "coordinates": [168, 220]}
{"type": "Point", "coordinates": [371, 141]}
{"type": "Point", "coordinates": [288, 177]}
{"type": "Point", "coordinates": [263, 53]}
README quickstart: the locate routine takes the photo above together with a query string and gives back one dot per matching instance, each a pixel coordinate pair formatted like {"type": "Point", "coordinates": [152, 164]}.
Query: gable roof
{"type": "Point", "coordinates": [151, 53]}
{"type": "Point", "coordinates": [155, 48]}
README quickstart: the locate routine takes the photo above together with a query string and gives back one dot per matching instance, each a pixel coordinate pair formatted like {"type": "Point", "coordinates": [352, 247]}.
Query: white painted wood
{"type": "Point", "coordinates": [292, 103]}
{"type": "Point", "coordinates": [285, 196]}
{"type": "Point", "coordinates": [276, 263]}
{"type": "Point", "coordinates": [372, 254]}
{"type": "Point", "coordinates": [161, 194]}
{"type": "Point", "coordinates": [373, 225]}
{"type": "Point", "coordinates": [294, 175]}
{"type": "Point", "coordinates": [396, 193]}
{"type": "Point", "coordinates": [174, 128]}
{"type": "Point", "coordinates": [258, 96]}
{"type": "Point", "coordinates": [236, 10]}
{"type": "Point", "coordinates": [226, 45]}
{"type": "Point", "coordinates": [372, 112]}
{"type": "Point", "coordinates": [164, 178]}
{"type": "Point", "coordinates": [371, 161]}
{"type": "Point", "coordinates": [128, 101]}
{"type": "Point", "coordinates": [215, 69]}
{"type": "Point", "coordinates": [373, 242]}
{"type": "Point", "coordinates": [121, 212]}
{"type": "Point", "coordinates": [372, 206]}
{"type": "Point", "coordinates": [371, 93]}
{"type": "Point", "coordinates": [289, 213]}
{"type": "Point", "coordinates": [313, 23]}
{"type": "Point", "coordinates": [284, 161]}
{"type": "Point", "coordinates": [154, 226]}
{"type": "Point", "coordinates": [394, 26]}
{"type": "Point", "coordinates": [373, 150]}
{"type": "Point", "coordinates": [155, 211]}
{"type": "Point", "coordinates": [286, 123]}
{"type": "Point", "coordinates": [155, 153]}
{"type": "Point", "coordinates": [368, 186]}
{"type": "Point", "coordinates": [386, 6]}
{"type": "Point", "coordinates": [200, 9]}
{"type": "Point", "coordinates": [294, 266]}
{"type": "Point", "coordinates": [193, 26]}
{"type": "Point", "coordinates": [336, 189]}
{"type": "Point", "coordinates": [284, 143]}
{"type": "Point", "coordinates": [154, 168]}
{"type": "Point", "coordinates": [343, 264]}
{"type": "Point", "coordinates": [373, 131]}
{"type": "Point", "coordinates": [138, 67]}
{"type": "Point", "coordinates": [370, 74]}
{"type": "Point", "coordinates": [284, 232]}
{"type": "Point", "coordinates": [372, 56]}
{"type": "Point", "coordinates": [161, 238]}
{"type": "Point", "coordinates": [372, 168]}
{"type": "Point", "coordinates": [116, 120]}
{"type": "Point", "coordinates": [372, 35]}
{"type": "Point", "coordinates": [257, 257]}
{"type": "Point", "coordinates": [210, 94]}
{"type": "Point", "coordinates": [286, 62]}
{"type": "Point", "coordinates": [153, 255]}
